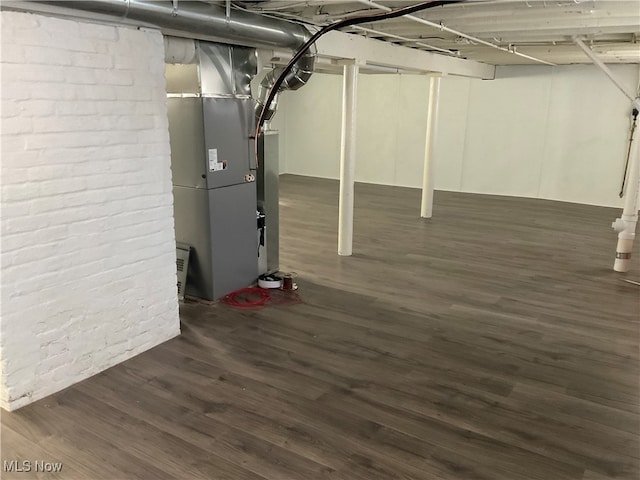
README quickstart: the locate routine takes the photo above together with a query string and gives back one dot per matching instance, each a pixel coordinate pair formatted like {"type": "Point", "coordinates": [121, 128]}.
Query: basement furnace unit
{"type": "Point", "coordinates": [212, 119]}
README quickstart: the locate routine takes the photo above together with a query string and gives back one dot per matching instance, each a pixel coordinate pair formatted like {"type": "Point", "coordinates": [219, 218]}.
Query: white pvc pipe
{"type": "Point", "coordinates": [627, 92]}
{"type": "Point", "coordinates": [371, 3]}
{"type": "Point", "coordinates": [405, 39]}
{"type": "Point", "coordinates": [426, 208]}
{"type": "Point", "coordinates": [347, 159]}
{"type": "Point", "coordinates": [638, 206]}
{"type": "Point", "coordinates": [626, 224]}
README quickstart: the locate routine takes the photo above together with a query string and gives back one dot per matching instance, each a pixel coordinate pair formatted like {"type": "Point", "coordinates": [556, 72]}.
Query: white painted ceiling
{"type": "Point", "coordinates": [540, 29]}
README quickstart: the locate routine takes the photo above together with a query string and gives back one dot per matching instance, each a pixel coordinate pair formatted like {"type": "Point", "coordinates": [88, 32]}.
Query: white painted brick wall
{"type": "Point", "coordinates": [87, 237]}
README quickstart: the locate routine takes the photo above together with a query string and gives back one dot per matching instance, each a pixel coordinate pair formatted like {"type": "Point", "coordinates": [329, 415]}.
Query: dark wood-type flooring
{"type": "Point", "coordinates": [491, 342]}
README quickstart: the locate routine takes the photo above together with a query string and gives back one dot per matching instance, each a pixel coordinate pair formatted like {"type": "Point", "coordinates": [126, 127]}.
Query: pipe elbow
{"type": "Point", "coordinates": [625, 228]}
{"type": "Point", "coordinates": [618, 225]}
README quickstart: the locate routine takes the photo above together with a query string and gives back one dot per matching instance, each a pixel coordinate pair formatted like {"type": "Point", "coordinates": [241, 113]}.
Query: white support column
{"type": "Point", "coordinates": [347, 159]}
{"type": "Point", "coordinates": [426, 209]}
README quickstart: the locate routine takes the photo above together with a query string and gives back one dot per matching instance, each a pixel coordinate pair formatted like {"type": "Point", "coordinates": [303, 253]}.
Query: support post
{"type": "Point", "coordinates": [426, 209]}
{"type": "Point", "coordinates": [347, 158]}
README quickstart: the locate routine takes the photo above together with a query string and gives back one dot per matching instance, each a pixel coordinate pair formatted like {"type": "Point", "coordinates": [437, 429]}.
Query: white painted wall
{"type": "Point", "coordinates": [87, 236]}
{"type": "Point", "coordinates": [544, 132]}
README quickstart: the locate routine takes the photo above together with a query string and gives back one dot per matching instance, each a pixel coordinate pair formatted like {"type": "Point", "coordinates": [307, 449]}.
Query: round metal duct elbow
{"type": "Point", "coordinates": [297, 77]}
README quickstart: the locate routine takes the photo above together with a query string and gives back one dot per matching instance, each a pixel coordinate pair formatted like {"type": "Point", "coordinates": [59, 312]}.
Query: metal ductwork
{"type": "Point", "coordinates": [296, 78]}
{"type": "Point", "coordinates": [202, 20]}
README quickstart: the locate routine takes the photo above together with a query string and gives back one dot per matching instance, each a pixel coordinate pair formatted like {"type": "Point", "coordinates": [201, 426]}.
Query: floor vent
{"type": "Point", "coordinates": [182, 265]}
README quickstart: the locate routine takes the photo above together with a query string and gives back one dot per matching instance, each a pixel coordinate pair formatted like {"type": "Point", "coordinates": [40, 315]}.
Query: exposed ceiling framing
{"type": "Point", "coordinates": [498, 32]}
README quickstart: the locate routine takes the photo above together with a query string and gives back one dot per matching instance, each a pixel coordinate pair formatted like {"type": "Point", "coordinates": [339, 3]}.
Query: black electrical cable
{"type": "Point", "coordinates": [634, 124]}
{"type": "Point", "coordinates": [374, 17]}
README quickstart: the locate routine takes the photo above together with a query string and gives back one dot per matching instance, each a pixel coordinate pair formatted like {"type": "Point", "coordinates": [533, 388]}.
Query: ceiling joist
{"type": "Point", "coordinates": [499, 32]}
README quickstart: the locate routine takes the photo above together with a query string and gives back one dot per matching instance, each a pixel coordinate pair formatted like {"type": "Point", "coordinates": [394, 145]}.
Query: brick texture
{"type": "Point", "coordinates": [87, 234]}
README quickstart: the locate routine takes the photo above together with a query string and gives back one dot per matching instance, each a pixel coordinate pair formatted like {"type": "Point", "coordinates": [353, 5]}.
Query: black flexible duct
{"type": "Point", "coordinates": [334, 26]}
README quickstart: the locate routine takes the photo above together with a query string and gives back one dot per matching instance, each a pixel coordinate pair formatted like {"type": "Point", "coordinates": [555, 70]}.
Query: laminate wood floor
{"type": "Point", "coordinates": [490, 342]}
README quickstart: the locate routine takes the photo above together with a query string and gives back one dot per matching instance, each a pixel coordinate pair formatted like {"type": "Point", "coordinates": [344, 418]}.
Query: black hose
{"type": "Point", "coordinates": [634, 124]}
{"type": "Point", "coordinates": [374, 17]}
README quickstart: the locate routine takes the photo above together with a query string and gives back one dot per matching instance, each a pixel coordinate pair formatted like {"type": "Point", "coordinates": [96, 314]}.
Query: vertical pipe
{"type": "Point", "coordinates": [426, 209]}
{"type": "Point", "coordinates": [347, 159]}
{"type": "Point", "coordinates": [626, 224]}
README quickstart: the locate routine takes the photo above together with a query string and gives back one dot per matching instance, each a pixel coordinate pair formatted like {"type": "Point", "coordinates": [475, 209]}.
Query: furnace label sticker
{"type": "Point", "coordinates": [214, 164]}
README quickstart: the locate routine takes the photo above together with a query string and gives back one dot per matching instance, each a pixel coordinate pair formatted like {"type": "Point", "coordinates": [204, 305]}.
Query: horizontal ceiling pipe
{"type": "Point", "coordinates": [193, 19]}
{"type": "Point", "coordinates": [196, 19]}
{"type": "Point", "coordinates": [455, 32]}
{"type": "Point", "coordinates": [375, 32]}
{"type": "Point", "coordinates": [405, 39]}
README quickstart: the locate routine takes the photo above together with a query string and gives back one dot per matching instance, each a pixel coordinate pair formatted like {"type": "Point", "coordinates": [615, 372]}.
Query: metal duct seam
{"type": "Point", "coordinates": [199, 19]}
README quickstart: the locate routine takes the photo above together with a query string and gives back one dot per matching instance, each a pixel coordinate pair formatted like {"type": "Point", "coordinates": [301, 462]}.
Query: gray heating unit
{"type": "Point", "coordinates": [211, 126]}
